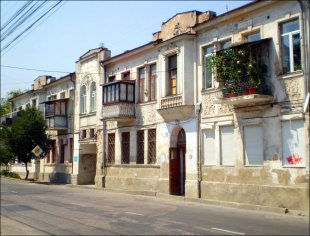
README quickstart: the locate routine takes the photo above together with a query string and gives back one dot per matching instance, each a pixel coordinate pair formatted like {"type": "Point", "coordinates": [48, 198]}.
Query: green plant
{"type": "Point", "coordinates": [236, 69]}
{"type": "Point", "coordinates": [10, 174]}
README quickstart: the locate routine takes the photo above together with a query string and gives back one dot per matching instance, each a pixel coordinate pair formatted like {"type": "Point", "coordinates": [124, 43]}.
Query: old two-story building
{"type": "Point", "coordinates": [166, 126]}
{"type": "Point", "coordinates": [55, 99]}
{"type": "Point", "coordinates": [87, 124]}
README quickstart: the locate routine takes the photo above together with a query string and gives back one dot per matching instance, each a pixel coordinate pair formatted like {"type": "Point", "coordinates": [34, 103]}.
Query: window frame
{"type": "Point", "coordinates": [83, 100]}
{"type": "Point", "coordinates": [291, 46]}
{"type": "Point", "coordinates": [170, 71]}
{"type": "Point", "coordinates": [93, 96]}
{"type": "Point", "coordinates": [152, 86]}
{"type": "Point", "coordinates": [141, 84]}
{"type": "Point", "coordinates": [204, 59]}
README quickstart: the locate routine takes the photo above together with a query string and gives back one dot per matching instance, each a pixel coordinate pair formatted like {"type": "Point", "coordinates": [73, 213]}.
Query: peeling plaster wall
{"type": "Point", "coordinates": [270, 184]}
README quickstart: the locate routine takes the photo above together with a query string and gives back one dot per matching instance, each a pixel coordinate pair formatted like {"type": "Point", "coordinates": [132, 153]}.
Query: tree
{"type": "Point", "coordinates": [25, 133]}
{"type": "Point", "coordinates": [6, 154]}
{"type": "Point", "coordinates": [5, 107]}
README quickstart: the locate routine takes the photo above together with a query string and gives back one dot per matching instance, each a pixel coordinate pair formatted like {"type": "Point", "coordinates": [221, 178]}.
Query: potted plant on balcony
{"type": "Point", "coordinates": [237, 71]}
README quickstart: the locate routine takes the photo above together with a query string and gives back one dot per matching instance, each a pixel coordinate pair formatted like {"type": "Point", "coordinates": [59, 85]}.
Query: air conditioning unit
{"type": "Point", "coordinates": [65, 141]}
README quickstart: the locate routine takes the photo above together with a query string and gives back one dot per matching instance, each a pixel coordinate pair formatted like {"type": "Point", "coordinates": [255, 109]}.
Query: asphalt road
{"type": "Point", "coordinates": [36, 209]}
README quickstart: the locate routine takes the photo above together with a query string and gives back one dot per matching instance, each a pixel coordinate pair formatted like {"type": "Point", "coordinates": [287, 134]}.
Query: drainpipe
{"type": "Point", "coordinates": [73, 81]}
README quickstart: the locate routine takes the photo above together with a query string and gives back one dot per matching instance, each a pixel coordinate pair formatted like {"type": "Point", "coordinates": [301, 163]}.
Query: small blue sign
{"type": "Point", "coordinates": [75, 158]}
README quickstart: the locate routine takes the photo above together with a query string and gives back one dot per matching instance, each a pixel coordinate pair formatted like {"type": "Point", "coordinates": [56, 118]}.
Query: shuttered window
{"type": "Point", "coordinates": [227, 145]}
{"type": "Point", "coordinates": [253, 145]}
{"type": "Point", "coordinates": [293, 143]}
{"type": "Point", "coordinates": [209, 147]}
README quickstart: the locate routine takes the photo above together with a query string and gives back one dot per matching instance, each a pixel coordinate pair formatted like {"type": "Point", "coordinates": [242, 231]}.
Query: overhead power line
{"type": "Point", "coordinates": [24, 36]}
{"type": "Point", "coordinates": [21, 20]}
{"type": "Point", "coordinates": [23, 68]}
{"type": "Point", "coordinates": [15, 15]}
{"type": "Point", "coordinates": [29, 27]}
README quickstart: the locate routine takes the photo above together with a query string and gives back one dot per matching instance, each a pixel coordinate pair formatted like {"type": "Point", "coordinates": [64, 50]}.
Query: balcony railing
{"type": "Point", "coordinates": [171, 101]}
{"type": "Point", "coordinates": [56, 122]}
{"type": "Point", "coordinates": [119, 100]}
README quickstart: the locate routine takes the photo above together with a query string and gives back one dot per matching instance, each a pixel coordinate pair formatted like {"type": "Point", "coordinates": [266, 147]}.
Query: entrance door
{"type": "Point", "coordinates": [177, 166]}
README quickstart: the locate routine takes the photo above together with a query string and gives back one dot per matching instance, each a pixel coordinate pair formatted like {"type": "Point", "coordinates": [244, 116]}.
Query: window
{"type": "Point", "coordinates": [293, 143]}
{"type": "Point", "coordinates": [151, 157]}
{"type": "Point", "coordinates": [92, 133]}
{"type": "Point", "coordinates": [207, 67]}
{"type": "Point", "coordinates": [209, 147]}
{"type": "Point", "coordinates": [93, 97]}
{"type": "Point", "coordinates": [172, 75]}
{"type": "Point", "coordinates": [62, 153]}
{"type": "Point", "coordinates": [53, 97]}
{"type": "Point", "coordinates": [141, 84]}
{"type": "Point", "coordinates": [225, 44]}
{"type": "Point", "coordinates": [140, 147]}
{"type": "Point", "coordinates": [152, 83]}
{"type": "Point", "coordinates": [111, 79]}
{"type": "Point", "coordinates": [253, 37]}
{"type": "Point", "coordinates": [62, 95]}
{"type": "Point", "coordinates": [227, 145]}
{"type": "Point", "coordinates": [83, 134]}
{"type": "Point", "coordinates": [71, 150]}
{"type": "Point", "coordinates": [290, 46]}
{"type": "Point", "coordinates": [125, 148]}
{"type": "Point", "coordinates": [34, 103]}
{"type": "Point", "coordinates": [83, 100]}
{"type": "Point", "coordinates": [111, 149]}
{"type": "Point", "coordinates": [253, 145]}
{"type": "Point", "coordinates": [126, 75]}
{"type": "Point", "coordinates": [71, 102]}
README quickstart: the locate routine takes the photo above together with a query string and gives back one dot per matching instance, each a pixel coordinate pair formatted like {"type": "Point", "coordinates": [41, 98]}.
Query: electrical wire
{"type": "Point", "coordinates": [12, 46]}
{"type": "Point", "coordinates": [29, 27]}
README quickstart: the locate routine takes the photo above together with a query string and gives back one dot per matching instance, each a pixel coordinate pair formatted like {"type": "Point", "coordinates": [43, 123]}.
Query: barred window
{"type": "Point", "coordinates": [125, 147]}
{"type": "Point", "coordinates": [140, 147]}
{"type": "Point", "coordinates": [111, 149]}
{"type": "Point", "coordinates": [151, 146]}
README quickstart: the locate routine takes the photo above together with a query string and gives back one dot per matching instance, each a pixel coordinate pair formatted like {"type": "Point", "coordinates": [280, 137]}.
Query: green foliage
{"type": "Point", "coordinates": [5, 107]}
{"type": "Point", "coordinates": [6, 154]}
{"type": "Point", "coordinates": [15, 92]}
{"type": "Point", "coordinates": [25, 133]}
{"type": "Point", "coordinates": [7, 173]}
{"type": "Point", "coordinates": [236, 68]}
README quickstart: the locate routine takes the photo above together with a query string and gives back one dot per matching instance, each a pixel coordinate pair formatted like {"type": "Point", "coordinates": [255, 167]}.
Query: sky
{"type": "Point", "coordinates": [77, 26]}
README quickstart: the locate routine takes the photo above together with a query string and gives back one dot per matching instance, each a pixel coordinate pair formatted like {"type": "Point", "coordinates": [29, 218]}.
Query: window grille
{"type": "Point", "coordinates": [125, 147]}
{"type": "Point", "coordinates": [140, 147]}
{"type": "Point", "coordinates": [152, 146]}
{"type": "Point", "coordinates": [111, 149]}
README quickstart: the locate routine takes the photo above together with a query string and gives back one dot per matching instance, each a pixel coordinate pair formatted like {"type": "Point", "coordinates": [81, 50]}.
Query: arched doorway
{"type": "Point", "coordinates": [177, 165]}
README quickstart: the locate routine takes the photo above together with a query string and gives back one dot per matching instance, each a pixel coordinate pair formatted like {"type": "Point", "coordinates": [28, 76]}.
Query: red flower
{"type": "Point", "coordinates": [293, 159]}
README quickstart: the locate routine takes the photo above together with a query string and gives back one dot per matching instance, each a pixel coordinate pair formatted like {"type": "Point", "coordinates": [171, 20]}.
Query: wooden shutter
{"type": "Point", "coordinates": [253, 145]}
{"type": "Point", "coordinates": [293, 143]}
{"type": "Point", "coordinates": [209, 147]}
{"type": "Point", "coordinates": [227, 145]}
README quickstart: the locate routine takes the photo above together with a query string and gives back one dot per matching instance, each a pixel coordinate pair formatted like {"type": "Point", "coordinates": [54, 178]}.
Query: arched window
{"type": "Point", "coordinates": [83, 100]}
{"type": "Point", "coordinates": [93, 97]}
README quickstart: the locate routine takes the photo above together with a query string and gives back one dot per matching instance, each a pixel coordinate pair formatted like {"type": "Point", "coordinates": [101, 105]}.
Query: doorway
{"type": "Point", "coordinates": [177, 166]}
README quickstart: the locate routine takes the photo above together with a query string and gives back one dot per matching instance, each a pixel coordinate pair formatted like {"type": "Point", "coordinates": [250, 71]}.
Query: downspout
{"type": "Point", "coordinates": [197, 110]}
{"type": "Point", "coordinates": [73, 81]}
{"type": "Point", "coordinates": [104, 130]}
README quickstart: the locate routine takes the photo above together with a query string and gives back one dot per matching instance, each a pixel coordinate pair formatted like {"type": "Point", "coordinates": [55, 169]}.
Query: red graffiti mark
{"type": "Point", "coordinates": [293, 159]}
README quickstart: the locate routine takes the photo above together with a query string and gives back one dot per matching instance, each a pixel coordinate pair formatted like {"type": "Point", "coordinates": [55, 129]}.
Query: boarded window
{"type": "Point", "coordinates": [227, 145]}
{"type": "Point", "coordinates": [151, 146]}
{"type": "Point", "coordinates": [253, 145]}
{"type": "Point", "coordinates": [140, 147]}
{"type": "Point", "coordinates": [125, 147]}
{"type": "Point", "coordinates": [293, 143]}
{"type": "Point", "coordinates": [209, 147]}
{"type": "Point", "coordinates": [111, 149]}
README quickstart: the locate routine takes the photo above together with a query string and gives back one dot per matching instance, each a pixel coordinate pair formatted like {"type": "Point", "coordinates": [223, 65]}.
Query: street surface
{"type": "Point", "coordinates": [32, 209]}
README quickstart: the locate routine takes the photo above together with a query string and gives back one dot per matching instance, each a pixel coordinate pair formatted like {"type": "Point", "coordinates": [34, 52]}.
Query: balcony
{"type": "Point", "coordinates": [173, 108]}
{"type": "Point", "coordinates": [56, 114]}
{"type": "Point", "coordinates": [9, 118]}
{"type": "Point", "coordinates": [119, 100]}
{"type": "Point", "coordinates": [242, 72]}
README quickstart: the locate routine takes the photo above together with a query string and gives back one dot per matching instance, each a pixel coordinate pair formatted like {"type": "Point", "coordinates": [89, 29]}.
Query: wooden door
{"type": "Point", "coordinates": [174, 172]}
